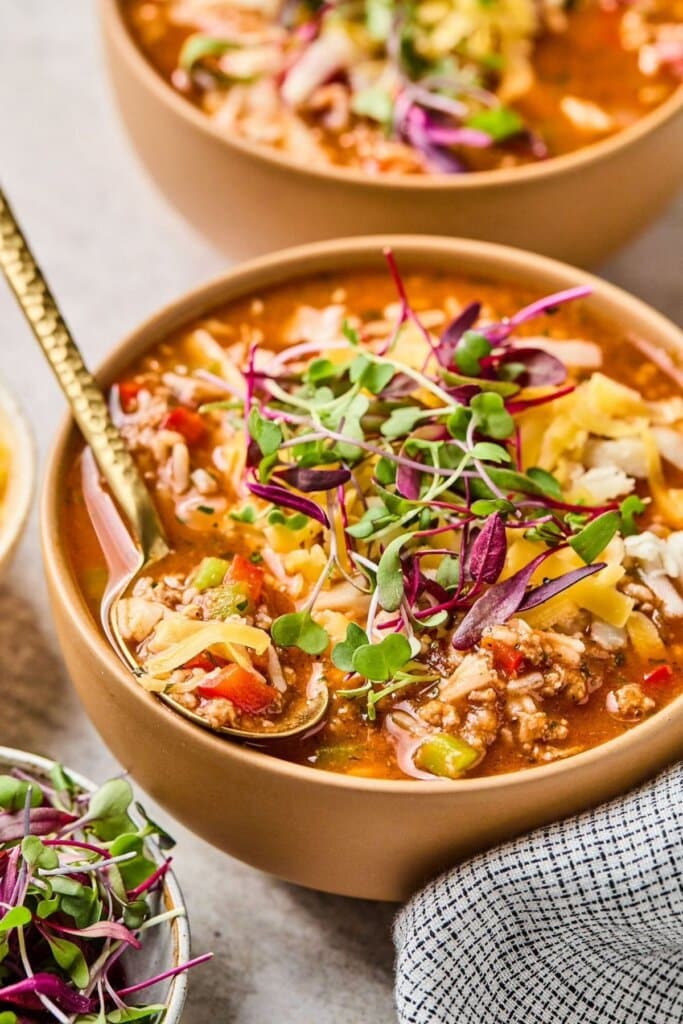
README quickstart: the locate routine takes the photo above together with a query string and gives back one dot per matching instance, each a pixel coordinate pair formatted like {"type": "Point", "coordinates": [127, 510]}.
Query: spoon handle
{"type": "Point", "coordinates": [88, 404]}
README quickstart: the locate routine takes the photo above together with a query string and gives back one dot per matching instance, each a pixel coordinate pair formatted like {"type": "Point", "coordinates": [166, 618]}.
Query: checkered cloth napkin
{"type": "Point", "coordinates": [580, 922]}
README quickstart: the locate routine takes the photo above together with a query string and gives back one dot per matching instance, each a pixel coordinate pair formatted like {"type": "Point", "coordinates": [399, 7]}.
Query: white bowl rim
{"type": "Point", "coordinates": [17, 500]}
{"type": "Point", "coordinates": [112, 16]}
{"type": "Point", "coordinates": [284, 266]}
{"type": "Point", "coordinates": [181, 928]}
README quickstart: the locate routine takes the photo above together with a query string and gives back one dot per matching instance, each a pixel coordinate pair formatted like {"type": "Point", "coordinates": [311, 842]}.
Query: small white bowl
{"type": "Point", "coordinates": [15, 504]}
{"type": "Point", "coordinates": [165, 947]}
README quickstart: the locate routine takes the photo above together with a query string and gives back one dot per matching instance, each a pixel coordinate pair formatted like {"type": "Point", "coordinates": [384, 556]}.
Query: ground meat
{"type": "Point", "coordinates": [532, 724]}
{"type": "Point", "coordinates": [483, 719]}
{"type": "Point", "coordinates": [439, 714]}
{"type": "Point", "coordinates": [561, 659]}
{"type": "Point", "coordinates": [629, 703]}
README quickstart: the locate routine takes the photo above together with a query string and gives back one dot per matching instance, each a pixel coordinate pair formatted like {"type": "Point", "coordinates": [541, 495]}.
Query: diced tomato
{"type": "Point", "coordinates": [245, 690]}
{"type": "Point", "coordinates": [507, 659]}
{"type": "Point", "coordinates": [243, 571]}
{"type": "Point", "coordinates": [661, 674]}
{"type": "Point", "coordinates": [128, 394]}
{"type": "Point", "coordinates": [205, 661]}
{"type": "Point", "coordinates": [186, 422]}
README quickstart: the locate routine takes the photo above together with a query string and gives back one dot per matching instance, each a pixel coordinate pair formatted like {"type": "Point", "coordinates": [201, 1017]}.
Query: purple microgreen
{"type": "Point", "coordinates": [498, 333]}
{"type": "Point", "coordinates": [464, 321]}
{"type": "Point", "coordinates": [310, 480]}
{"type": "Point", "coordinates": [140, 986]}
{"type": "Point", "coordinates": [538, 367]}
{"type": "Point", "coordinates": [406, 312]}
{"type": "Point", "coordinates": [286, 499]}
{"type": "Point", "coordinates": [26, 993]}
{"type": "Point", "coordinates": [487, 555]}
{"type": "Point", "coordinates": [496, 605]}
{"type": "Point", "coordinates": [101, 930]}
{"type": "Point", "coordinates": [515, 406]}
{"type": "Point", "coordinates": [408, 482]}
{"type": "Point", "coordinates": [43, 820]}
{"type": "Point", "coordinates": [538, 595]}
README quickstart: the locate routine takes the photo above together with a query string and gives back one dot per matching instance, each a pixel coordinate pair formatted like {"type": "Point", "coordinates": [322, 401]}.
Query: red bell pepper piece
{"type": "Point", "coordinates": [186, 422]}
{"type": "Point", "coordinates": [205, 661]}
{"type": "Point", "coordinates": [128, 394]}
{"type": "Point", "coordinates": [507, 659]}
{"type": "Point", "coordinates": [243, 571]}
{"type": "Point", "coordinates": [661, 674]}
{"type": "Point", "coordinates": [245, 690]}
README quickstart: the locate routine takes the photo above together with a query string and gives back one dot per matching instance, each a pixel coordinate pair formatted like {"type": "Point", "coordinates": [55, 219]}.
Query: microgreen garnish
{"type": "Point", "coordinates": [77, 888]}
{"type": "Point", "coordinates": [595, 537]}
{"type": "Point", "coordinates": [297, 629]}
{"type": "Point", "coordinates": [630, 508]}
{"type": "Point", "coordinates": [414, 481]}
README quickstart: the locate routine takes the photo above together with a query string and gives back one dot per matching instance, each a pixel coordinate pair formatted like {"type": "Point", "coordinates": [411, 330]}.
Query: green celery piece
{"type": "Point", "coordinates": [445, 755]}
{"type": "Point", "coordinates": [228, 599]}
{"type": "Point", "coordinates": [211, 573]}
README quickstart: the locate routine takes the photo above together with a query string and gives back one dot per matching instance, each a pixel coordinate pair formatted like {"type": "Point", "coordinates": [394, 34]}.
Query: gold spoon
{"type": "Point", "coordinates": [90, 410]}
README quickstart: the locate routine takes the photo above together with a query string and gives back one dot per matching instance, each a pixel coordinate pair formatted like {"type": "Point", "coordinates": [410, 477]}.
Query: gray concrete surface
{"type": "Point", "coordinates": [114, 253]}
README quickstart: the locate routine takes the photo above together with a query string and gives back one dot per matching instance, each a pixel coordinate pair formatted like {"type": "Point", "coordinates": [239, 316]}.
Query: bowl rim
{"type": "Point", "coordinates": [287, 265]}
{"type": "Point", "coordinates": [181, 930]}
{"type": "Point", "coordinates": [18, 498]}
{"type": "Point", "coordinates": [111, 15]}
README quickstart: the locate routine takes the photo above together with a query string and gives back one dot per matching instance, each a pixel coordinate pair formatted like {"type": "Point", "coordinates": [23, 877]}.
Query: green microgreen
{"type": "Point", "coordinates": [490, 415]}
{"type": "Point", "coordinates": [298, 629]}
{"type": "Point", "coordinates": [245, 515]}
{"type": "Point", "coordinates": [628, 510]}
{"type": "Point", "coordinates": [500, 123]}
{"type": "Point", "coordinates": [342, 655]}
{"type": "Point", "coordinates": [472, 348]}
{"type": "Point", "coordinates": [266, 433]}
{"type": "Point", "coordinates": [381, 661]}
{"type": "Point", "coordinates": [390, 575]}
{"type": "Point", "coordinates": [595, 537]}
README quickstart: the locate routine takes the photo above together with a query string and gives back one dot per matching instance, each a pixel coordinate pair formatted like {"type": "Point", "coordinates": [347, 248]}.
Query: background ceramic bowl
{"type": "Point", "coordinates": [16, 502]}
{"type": "Point", "coordinates": [250, 200]}
{"type": "Point", "coordinates": [164, 947]}
{"type": "Point", "coordinates": [360, 837]}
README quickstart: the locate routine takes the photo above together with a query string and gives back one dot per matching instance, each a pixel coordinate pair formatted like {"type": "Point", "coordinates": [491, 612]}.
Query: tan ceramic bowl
{"type": "Point", "coordinates": [356, 836]}
{"type": "Point", "coordinates": [250, 200]}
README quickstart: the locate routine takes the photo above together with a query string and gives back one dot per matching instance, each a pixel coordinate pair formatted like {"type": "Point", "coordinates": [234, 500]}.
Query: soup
{"type": "Point", "coordinates": [439, 86]}
{"type": "Point", "coordinates": [450, 501]}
